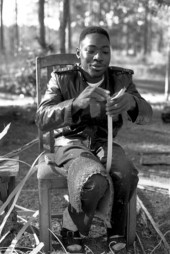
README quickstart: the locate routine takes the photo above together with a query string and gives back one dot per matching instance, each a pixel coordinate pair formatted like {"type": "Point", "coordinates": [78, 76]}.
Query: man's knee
{"type": "Point", "coordinates": [122, 167]}
{"type": "Point", "coordinates": [125, 171]}
{"type": "Point", "coordinates": [95, 185]}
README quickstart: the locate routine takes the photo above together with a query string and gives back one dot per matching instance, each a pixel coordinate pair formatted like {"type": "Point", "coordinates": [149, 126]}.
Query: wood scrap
{"type": "Point", "coordinates": [9, 167]}
{"type": "Point", "coordinates": [155, 152]}
{"type": "Point", "coordinates": [153, 189]}
{"type": "Point", "coordinates": [155, 182]}
{"type": "Point", "coordinates": [155, 159]}
{"type": "Point", "coordinates": [155, 179]}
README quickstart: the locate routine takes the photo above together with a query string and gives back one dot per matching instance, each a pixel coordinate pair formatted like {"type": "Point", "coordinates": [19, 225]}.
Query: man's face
{"type": "Point", "coordinates": [94, 54]}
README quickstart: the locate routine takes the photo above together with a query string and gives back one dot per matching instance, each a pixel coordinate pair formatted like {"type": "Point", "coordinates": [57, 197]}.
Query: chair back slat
{"type": "Point", "coordinates": [49, 71]}
{"type": "Point", "coordinates": [44, 68]}
{"type": "Point", "coordinates": [57, 59]}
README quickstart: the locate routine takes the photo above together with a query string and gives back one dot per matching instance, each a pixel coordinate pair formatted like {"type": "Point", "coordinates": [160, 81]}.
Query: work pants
{"type": "Point", "coordinates": [123, 174]}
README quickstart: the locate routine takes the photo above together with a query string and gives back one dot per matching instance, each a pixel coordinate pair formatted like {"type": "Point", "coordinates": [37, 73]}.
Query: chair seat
{"type": "Point", "coordinates": [48, 170]}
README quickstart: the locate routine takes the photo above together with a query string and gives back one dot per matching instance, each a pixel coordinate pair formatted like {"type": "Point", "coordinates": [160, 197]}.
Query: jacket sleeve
{"type": "Point", "coordinates": [54, 112]}
{"type": "Point", "coordinates": [142, 114]}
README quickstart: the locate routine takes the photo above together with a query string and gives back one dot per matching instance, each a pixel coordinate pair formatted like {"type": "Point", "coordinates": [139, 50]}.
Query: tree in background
{"type": "Point", "coordinates": [42, 40]}
{"type": "Point", "coordinates": [65, 24]}
{"type": "Point", "coordinates": [2, 29]}
{"type": "Point", "coordinates": [165, 6]}
{"type": "Point", "coordinates": [137, 28]}
{"type": "Point", "coordinates": [134, 25]}
{"type": "Point", "coordinates": [16, 27]}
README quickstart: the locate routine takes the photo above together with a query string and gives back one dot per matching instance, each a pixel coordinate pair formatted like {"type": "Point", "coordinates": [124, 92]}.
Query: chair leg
{"type": "Point", "coordinates": [45, 215]}
{"type": "Point", "coordinates": [131, 221]}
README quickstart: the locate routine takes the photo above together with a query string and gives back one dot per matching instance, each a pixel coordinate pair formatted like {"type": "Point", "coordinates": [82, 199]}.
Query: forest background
{"type": "Point", "coordinates": [139, 31]}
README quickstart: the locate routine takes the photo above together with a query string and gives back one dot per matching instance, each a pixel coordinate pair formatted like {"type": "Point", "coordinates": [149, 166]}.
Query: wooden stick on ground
{"type": "Point", "coordinates": [22, 148]}
{"type": "Point", "coordinates": [154, 224]}
{"type": "Point", "coordinates": [140, 243]}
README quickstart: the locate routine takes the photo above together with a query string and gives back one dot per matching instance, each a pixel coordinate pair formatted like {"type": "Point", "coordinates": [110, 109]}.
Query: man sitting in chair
{"type": "Point", "coordinates": [76, 105]}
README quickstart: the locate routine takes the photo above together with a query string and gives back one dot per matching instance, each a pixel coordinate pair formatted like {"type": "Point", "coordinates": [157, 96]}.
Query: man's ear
{"type": "Point", "coordinates": [78, 53]}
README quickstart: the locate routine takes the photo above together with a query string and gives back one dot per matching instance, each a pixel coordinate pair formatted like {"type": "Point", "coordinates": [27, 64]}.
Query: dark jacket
{"type": "Point", "coordinates": [55, 110]}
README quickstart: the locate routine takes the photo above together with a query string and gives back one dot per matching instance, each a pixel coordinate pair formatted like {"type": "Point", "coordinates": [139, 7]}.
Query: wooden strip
{"type": "Point", "coordinates": [154, 224]}
{"type": "Point", "coordinates": [21, 149]}
{"type": "Point", "coordinates": [140, 243]}
{"type": "Point", "coordinates": [24, 213]}
{"type": "Point", "coordinates": [61, 59]}
{"type": "Point", "coordinates": [16, 193]}
{"type": "Point", "coordinates": [110, 143]}
{"type": "Point", "coordinates": [18, 236]}
{"type": "Point", "coordinates": [5, 130]}
{"type": "Point", "coordinates": [24, 208]}
{"type": "Point", "coordinates": [37, 248]}
{"type": "Point", "coordinates": [110, 132]}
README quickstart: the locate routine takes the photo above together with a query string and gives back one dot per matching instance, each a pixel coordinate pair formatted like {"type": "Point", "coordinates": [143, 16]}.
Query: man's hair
{"type": "Point", "coordinates": [91, 30]}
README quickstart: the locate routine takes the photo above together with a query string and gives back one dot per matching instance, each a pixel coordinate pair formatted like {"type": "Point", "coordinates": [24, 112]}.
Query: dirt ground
{"type": "Point", "coordinates": [136, 140]}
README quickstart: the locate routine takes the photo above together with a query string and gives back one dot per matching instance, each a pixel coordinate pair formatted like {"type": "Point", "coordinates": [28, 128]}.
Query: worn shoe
{"type": "Point", "coordinates": [72, 241]}
{"type": "Point", "coordinates": [116, 244]}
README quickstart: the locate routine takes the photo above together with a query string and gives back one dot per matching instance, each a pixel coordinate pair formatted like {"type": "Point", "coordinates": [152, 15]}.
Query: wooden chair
{"type": "Point", "coordinates": [47, 180]}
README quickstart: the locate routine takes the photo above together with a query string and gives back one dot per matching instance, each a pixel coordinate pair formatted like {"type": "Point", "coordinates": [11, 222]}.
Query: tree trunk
{"type": "Point", "coordinates": [146, 30]}
{"type": "Point", "coordinates": [69, 28]}
{"type": "Point", "coordinates": [150, 34]}
{"type": "Point", "coordinates": [42, 41]}
{"type": "Point", "coordinates": [127, 34]}
{"type": "Point", "coordinates": [16, 26]}
{"type": "Point", "coordinates": [160, 40]}
{"type": "Point", "coordinates": [167, 75]}
{"type": "Point", "coordinates": [63, 24]}
{"type": "Point", "coordinates": [2, 30]}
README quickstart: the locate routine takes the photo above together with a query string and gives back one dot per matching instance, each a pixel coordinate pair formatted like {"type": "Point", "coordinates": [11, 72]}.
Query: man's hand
{"type": "Point", "coordinates": [119, 105]}
{"type": "Point", "coordinates": [90, 94]}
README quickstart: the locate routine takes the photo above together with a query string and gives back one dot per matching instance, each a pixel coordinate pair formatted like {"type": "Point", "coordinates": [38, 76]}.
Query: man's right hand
{"type": "Point", "coordinates": [89, 94]}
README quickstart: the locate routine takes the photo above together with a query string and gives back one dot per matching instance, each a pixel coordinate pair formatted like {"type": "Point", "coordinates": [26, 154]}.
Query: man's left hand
{"type": "Point", "coordinates": [119, 105]}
